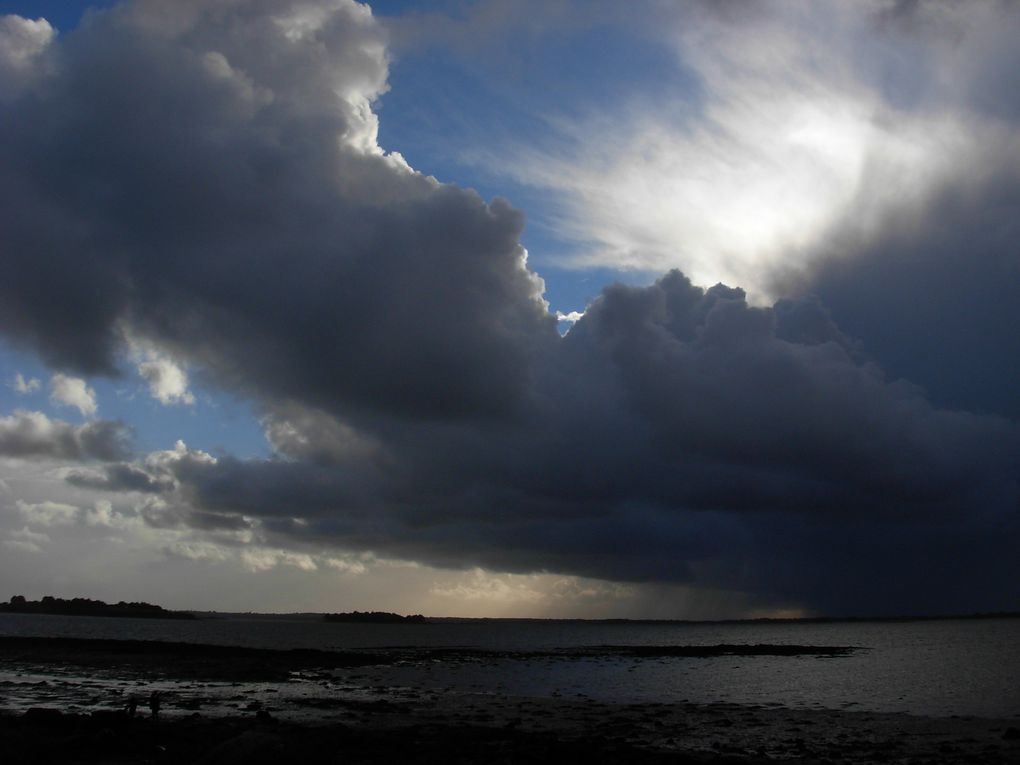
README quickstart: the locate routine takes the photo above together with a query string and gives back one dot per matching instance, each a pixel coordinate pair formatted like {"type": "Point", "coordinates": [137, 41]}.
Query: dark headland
{"type": "Point", "coordinates": [374, 617]}
{"type": "Point", "coordinates": [88, 607]}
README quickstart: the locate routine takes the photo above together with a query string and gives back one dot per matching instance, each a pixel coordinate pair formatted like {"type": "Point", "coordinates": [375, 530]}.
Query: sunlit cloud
{"type": "Point", "coordinates": [571, 318]}
{"type": "Point", "coordinates": [73, 392]}
{"type": "Point", "coordinates": [47, 513]}
{"type": "Point", "coordinates": [481, 585]}
{"type": "Point", "coordinates": [168, 382]}
{"type": "Point", "coordinates": [22, 43]}
{"type": "Point", "coordinates": [262, 559]}
{"type": "Point", "coordinates": [26, 540]}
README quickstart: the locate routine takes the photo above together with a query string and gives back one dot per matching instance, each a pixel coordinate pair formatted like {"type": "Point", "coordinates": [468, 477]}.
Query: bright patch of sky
{"type": "Point", "coordinates": [449, 105]}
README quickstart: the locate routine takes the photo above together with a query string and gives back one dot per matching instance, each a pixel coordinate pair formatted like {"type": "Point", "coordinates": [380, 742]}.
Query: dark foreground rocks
{"type": "Point", "coordinates": [46, 736]}
{"type": "Point", "coordinates": [510, 731]}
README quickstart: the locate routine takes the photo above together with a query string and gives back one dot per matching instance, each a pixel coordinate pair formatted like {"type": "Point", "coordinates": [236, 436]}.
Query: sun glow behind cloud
{"type": "Point", "coordinates": [788, 142]}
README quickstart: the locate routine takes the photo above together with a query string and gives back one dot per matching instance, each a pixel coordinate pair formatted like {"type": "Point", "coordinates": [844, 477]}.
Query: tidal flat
{"type": "Point", "coordinates": [66, 700]}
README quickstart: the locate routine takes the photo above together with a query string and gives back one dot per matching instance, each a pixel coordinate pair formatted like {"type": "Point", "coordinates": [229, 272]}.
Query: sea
{"type": "Point", "coordinates": [940, 668]}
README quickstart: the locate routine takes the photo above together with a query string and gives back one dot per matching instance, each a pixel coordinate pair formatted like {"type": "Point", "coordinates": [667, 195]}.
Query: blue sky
{"type": "Point", "coordinates": [444, 105]}
{"type": "Point", "coordinates": [261, 348]}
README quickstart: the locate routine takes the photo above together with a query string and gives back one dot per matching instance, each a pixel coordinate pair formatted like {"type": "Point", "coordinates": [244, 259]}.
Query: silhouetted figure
{"type": "Point", "coordinates": [154, 704]}
{"type": "Point", "coordinates": [132, 706]}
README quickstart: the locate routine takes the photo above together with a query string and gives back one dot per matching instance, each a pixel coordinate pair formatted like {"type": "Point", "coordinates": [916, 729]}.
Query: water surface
{"type": "Point", "coordinates": [939, 668]}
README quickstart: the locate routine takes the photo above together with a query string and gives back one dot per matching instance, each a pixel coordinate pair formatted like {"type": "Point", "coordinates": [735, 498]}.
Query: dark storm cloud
{"type": "Point", "coordinates": [204, 177]}
{"type": "Point", "coordinates": [682, 435]}
{"type": "Point", "coordinates": [33, 435]}
{"type": "Point", "coordinates": [938, 300]}
{"type": "Point", "coordinates": [983, 57]}
{"type": "Point", "coordinates": [201, 172]}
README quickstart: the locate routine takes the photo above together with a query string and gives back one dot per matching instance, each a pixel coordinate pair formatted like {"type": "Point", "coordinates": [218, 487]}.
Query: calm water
{"type": "Point", "coordinates": [963, 667]}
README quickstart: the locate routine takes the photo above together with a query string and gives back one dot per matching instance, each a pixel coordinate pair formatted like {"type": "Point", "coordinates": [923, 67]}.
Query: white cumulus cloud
{"type": "Point", "coordinates": [22, 43]}
{"type": "Point", "coordinates": [25, 385]}
{"type": "Point", "coordinates": [572, 317]}
{"type": "Point", "coordinates": [73, 391]}
{"type": "Point", "coordinates": [168, 381]}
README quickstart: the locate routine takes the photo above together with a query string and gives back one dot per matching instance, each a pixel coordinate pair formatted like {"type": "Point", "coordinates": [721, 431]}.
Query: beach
{"type": "Point", "coordinates": [66, 700]}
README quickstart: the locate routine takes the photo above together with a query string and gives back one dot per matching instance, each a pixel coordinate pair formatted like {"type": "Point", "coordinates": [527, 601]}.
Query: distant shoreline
{"type": "Point", "coordinates": [316, 615]}
{"type": "Point", "coordinates": [89, 607]}
{"type": "Point", "coordinates": [773, 620]}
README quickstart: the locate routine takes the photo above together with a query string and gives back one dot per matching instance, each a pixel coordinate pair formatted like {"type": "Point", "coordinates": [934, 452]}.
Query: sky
{"type": "Point", "coordinates": [565, 308]}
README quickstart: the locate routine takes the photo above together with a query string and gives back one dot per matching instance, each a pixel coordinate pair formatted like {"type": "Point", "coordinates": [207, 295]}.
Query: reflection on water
{"type": "Point", "coordinates": [965, 667]}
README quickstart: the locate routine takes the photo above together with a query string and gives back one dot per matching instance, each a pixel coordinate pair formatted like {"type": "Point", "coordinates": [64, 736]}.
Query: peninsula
{"type": "Point", "coordinates": [88, 607]}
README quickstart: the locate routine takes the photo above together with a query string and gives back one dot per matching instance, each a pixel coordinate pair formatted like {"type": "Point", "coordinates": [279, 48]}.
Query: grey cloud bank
{"type": "Point", "coordinates": [33, 435]}
{"type": "Point", "coordinates": [205, 177]}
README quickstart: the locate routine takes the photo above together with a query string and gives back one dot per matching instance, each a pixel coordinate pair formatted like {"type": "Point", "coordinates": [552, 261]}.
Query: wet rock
{"type": "Point", "coordinates": [43, 715]}
{"type": "Point", "coordinates": [249, 748]}
{"type": "Point", "coordinates": [110, 717]}
{"type": "Point", "coordinates": [104, 738]}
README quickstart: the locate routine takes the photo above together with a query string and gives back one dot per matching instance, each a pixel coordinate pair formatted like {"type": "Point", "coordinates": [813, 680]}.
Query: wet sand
{"type": "Point", "coordinates": [410, 724]}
